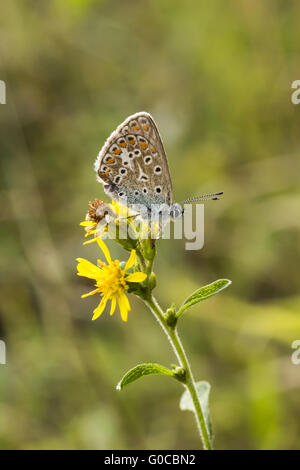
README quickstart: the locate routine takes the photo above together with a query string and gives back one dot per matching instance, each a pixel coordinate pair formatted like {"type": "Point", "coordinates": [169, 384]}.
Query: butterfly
{"type": "Point", "coordinates": [133, 168]}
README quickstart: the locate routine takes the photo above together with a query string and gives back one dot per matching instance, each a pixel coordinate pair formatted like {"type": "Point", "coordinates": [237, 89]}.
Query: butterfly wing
{"type": "Point", "coordinates": [132, 164]}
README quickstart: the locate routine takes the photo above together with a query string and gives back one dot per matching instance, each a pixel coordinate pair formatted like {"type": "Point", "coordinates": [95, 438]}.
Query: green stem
{"type": "Point", "coordinates": [176, 344]}
{"type": "Point", "coordinates": [141, 260]}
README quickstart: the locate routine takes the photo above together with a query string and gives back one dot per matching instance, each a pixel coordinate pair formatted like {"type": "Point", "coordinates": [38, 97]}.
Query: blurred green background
{"type": "Point", "coordinates": [217, 78]}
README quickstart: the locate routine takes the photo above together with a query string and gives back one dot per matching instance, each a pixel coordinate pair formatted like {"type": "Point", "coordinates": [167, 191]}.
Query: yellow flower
{"type": "Point", "coordinates": [100, 215]}
{"type": "Point", "coordinates": [111, 281]}
{"type": "Point", "coordinates": [122, 211]}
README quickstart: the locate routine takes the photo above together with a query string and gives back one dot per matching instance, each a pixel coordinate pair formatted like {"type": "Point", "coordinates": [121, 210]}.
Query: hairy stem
{"type": "Point", "coordinates": [189, 381]}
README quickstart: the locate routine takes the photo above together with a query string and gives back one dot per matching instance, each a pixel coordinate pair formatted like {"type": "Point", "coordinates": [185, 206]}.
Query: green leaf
{"type": "Point", "coordinates": [140, 371]}
{"type": "Point", "coordinates": [186, 402]}
{"type": "Point", "coordinates": [203, 293]}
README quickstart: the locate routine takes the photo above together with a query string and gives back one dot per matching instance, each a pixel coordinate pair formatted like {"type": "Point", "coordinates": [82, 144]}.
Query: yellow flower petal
{"type": "Point", "coordinates": [88, 223]}
{"type": "Point", "coordinates": [113, 305]}
{"type": "Point", "coordinates": [136, 277]}
{"type": "Point", "coordinates": [100, 308]}
{"type": "Point", "coordinates": [90, 241]}
{"type": "Point", "coordinates": [91, 232]}
{"type": "Point", "coordinates": [123, 306]}
{"type": "Point", "coordinates": [130, 261]}
{"type": "Point", "coordinates": [122, 211]}
{"type": "Point", "coordinates": [104, 249]}
{"type": "Point", "coordinates": [87, 269]}
{"type": "Point", "coordinates": [127, 302]}
{"type": "Point", "coordinates": [90, 293]}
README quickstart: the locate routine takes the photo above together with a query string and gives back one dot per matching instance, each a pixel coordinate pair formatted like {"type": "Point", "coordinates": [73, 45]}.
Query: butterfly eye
{"type": "Point", "coordinates": [148, 160]}
{"type": "Point", "coordinates": [176, 211]}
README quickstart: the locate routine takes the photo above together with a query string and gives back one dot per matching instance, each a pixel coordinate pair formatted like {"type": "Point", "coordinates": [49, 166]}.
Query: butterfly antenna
{"type": "Point", "coordinates": [204, 197]}
{"type": "Point", "coordinates": [129, 217]}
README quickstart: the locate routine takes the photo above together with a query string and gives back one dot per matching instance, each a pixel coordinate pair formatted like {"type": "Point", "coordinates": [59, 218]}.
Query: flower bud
{"type": "Point", "coordinates": [170, 316]}
{"type": "Point", "coordinates": [179, 373]}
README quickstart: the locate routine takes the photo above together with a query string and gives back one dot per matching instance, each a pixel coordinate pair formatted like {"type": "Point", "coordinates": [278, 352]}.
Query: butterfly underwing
{"type": "Point", "coordinates": [133, 168]}
{"type": "Point", "coordinates": [132, 165]}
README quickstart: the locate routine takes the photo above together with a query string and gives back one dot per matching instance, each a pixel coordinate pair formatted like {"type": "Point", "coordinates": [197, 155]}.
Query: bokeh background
{"type": "Point", "coordinates": [217, 78]}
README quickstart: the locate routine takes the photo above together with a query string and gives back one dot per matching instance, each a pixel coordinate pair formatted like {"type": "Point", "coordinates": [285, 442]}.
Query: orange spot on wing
{"type": "Point", "coordinates": [117, 152]}
{"type": "Point", "coordinates": [131, 140]}
{"type": "Point", "coordinates": [110, 161]}
{"type": "Point", "coordinates": [135, 128]}
{"type": "Point", "coordinates": [143, 145]}
{"type": "Point", "coordinates": [104, 175]}
{"type": "Point", "coordinates": [146, 127]}
{"type": "Point", "coordinates": [123, 144]}
{"type": "Point", "coordinates": [152, 149]}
